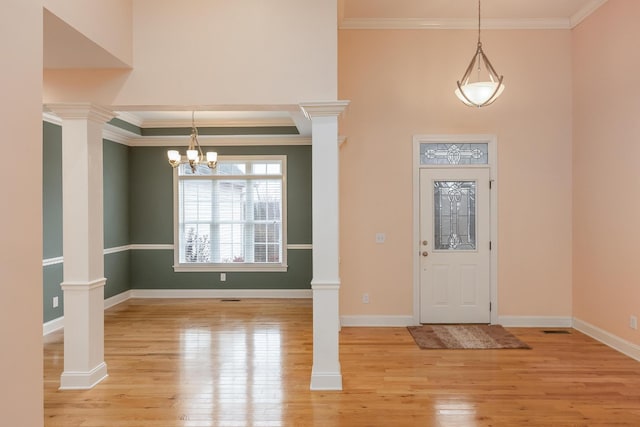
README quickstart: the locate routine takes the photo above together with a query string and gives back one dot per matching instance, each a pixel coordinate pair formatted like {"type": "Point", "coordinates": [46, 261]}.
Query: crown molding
{"type": "Point", "coordinates": [51, 118]}
{"type": "Point", "coordinates": [587, 10]}
{"type": "Point", "coordinates": [81, 111]}
{"type": "Point", "coordinates": [323, 108]}
{"type": "Point", "coordinates": [471, 24]}
{"type": "Point", "coordinates": [216, 140]}
{"type": "Point", "coordinates": [454, 24]}
{"type": "Point", "coordinates": [119, 135]}
{"type": "Point", "coordinates": [124, 137]}
{"type": "Point", "coordinates": [115, 134]}
{"type": "Point", "coordinates": [202, 123]}
{"type": "Point", "coordinates": [130, 118]}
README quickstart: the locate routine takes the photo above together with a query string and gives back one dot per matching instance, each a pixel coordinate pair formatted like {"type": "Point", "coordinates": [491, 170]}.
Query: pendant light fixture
{"type": "Point", "coordinates": [480, 85]}
{"type": "Point", "coordinates": [194, 152]}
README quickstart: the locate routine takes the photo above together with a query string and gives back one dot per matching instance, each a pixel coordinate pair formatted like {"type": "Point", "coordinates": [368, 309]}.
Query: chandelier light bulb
{"type": "Point", "coordinates": [174, 157]}
{"type": "Point", "coordinates": [192, 155]}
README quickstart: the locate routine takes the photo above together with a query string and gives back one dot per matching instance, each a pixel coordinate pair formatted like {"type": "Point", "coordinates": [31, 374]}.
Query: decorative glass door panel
{"type": "Point", "coordinates": [454, 245]}
{"type": "Point", "coordinates": [454, 215]}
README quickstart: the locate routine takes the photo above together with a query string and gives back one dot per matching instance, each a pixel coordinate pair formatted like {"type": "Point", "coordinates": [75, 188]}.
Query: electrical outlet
{"type": "Point", "coordinates": [223, 277]}
{"type": "Point", "coordinates": [633, 322]}
{"type": "Point", "coordinates": [380, 237]}
{"type": "Point", "coordinates": [55, 302]}
{"type": "Point", "coordinates": [365, 298]}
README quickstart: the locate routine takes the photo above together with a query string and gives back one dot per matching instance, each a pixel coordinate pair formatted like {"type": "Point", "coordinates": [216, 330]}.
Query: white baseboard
{"type": "Point", "coordinates": [53, 325]}
{"type": "Point", "coordinates": [535, 321]}
{"type": "Point", "coordinates": [326, 381]}
{"type": "Point", "coordinates": [623, 346]}
{"type": "Point", "coordinates": [221, 293]}
{"type": "Point", "coordinates": [396, 321]}
{"type": "Point", "coordinates": [117, 299]}
{"type": "Point", "coordinates": [83, 380]}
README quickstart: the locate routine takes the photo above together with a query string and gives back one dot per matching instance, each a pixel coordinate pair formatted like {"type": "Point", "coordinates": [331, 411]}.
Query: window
{"type": "Point", "coordinates": [231, 218]}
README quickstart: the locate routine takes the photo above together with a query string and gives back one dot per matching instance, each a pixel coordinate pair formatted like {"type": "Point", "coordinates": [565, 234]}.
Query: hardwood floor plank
{"type": "Point", "coordinates": [202, 362]}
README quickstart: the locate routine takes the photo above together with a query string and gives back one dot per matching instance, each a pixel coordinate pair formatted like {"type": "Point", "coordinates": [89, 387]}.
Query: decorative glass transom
{"type": "Point", "coordinates": [455, 215]}
{"type": "Point", "coordinates": [432, 153]}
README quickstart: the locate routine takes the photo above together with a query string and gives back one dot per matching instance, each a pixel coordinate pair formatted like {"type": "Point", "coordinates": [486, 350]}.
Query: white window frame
{"type": "Point", "coordinates": [232, 266]}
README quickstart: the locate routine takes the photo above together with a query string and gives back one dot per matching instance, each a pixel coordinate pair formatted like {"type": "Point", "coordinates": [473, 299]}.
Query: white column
{"type": "Point", "coordinates": [326, 373]}
{"type": "Point", "coordinates": [83, 243]}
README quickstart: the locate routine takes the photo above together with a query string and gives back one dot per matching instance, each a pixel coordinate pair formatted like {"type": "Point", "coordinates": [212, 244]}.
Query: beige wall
{"type": "Point", "coordinates": [105, 22]}
{"type": "Point", "coordinates": [400, 83]}
{"type": "Point", "coordinates": [217, 52]}
{"type": "Point", "coordinates": [21, 249]}
{"type": "Point", "coordinates": [606, 172]}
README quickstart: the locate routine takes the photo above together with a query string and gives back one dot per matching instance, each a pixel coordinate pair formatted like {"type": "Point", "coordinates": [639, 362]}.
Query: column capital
{"type": "Point", "coordinates": [81, 110]}
{"type": "Point", "coordinates": [323, 108]}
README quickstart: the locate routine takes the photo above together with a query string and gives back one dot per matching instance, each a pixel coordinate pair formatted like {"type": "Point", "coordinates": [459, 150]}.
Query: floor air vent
{"type": "Point", "coordinates": [556, 331]}
{"type": "Point", "coordinates": [230, 300]}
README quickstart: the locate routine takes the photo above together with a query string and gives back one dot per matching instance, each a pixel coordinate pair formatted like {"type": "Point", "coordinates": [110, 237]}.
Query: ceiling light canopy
{"type": "Point", "coordinates": [480, 85]}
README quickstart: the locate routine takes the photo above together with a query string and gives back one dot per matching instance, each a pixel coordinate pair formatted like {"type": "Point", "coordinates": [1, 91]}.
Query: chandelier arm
{"type": "Point", "coordinates": [471, 67]}
{"type": "Point", "coordinates": [195, 137]}
{"type": "Point", "coordinates": [494, 96]}
{"type": "Point", "coordinates": [490, 68]}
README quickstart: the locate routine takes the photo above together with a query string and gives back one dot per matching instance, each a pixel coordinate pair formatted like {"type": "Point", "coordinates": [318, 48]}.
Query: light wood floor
{"type": "Point", "coordinates": [202, 362]}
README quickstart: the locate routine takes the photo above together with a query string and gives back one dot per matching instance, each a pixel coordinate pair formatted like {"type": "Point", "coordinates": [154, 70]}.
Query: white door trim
{"type": "Point", "coordinates": [492, 142]}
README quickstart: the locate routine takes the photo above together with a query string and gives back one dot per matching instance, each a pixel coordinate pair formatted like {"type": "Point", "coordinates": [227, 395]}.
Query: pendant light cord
{"type": "Point", "coordinates": [479, 42]}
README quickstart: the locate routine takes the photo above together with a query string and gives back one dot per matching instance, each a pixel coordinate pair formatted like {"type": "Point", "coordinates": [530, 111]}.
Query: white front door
{"type": "Point", "coordinates": [455, 284]}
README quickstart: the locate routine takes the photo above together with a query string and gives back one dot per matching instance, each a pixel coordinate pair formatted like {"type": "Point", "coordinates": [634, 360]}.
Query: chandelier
{"type": "Point", "coordinates": [194, 152]}
{"type": "Point", "coordinates": [480, 85]}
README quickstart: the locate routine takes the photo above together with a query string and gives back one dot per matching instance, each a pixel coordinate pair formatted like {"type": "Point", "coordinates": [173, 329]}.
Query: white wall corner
{"type": "Point", "coordinates": [623, 346]}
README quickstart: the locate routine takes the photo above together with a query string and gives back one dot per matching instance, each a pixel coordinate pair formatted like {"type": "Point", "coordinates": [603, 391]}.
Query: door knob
{"type": "Point", "coordinates": [424, 242]}
{"type": "Point", "coordinates": [425, 253]}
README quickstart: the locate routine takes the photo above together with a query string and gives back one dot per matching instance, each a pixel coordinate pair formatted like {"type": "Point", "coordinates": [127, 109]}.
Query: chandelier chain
{"type": "Point", "coordinates": [479, 42]}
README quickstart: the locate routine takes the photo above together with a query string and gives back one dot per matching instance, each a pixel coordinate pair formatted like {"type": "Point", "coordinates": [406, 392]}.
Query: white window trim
{"type": "Point", "coordinates": [179, 267]}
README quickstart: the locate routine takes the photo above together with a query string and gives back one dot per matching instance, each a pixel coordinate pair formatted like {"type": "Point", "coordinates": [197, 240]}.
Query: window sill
{"type": "Point", "coordinates": [230, 267]}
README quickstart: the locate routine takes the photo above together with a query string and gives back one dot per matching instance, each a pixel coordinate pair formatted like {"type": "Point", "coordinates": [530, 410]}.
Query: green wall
{"type": "Point", "coordinates": [116, 194]}
{"type": "Point", "coordinates": [52, 190]}
{"type": "Point", "coordinates": [153, 269]}
{"type": "Point", "coordinates": [151, 221]}
{"type": "Point", "coordinates": [115, 158]}
{"type": "Point", "coordinates": [51, 219]}
{"type": "Point", "coordinates": [138, 209]}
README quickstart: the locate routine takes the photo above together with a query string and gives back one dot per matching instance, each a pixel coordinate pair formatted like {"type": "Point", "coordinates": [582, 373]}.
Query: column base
{"type": "Point", "coordinates": [326, 380]}
{"type": "Point", "coordinates": [83, 380]}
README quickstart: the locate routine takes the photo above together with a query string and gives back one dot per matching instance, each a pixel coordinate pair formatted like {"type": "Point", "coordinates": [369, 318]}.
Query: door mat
{"type": "Point", "coordinates": [464, 337]}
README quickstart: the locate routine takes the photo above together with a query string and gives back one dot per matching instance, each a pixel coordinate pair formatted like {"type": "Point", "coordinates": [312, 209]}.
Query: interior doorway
{"type": "Point", "coordinates": [455, 229]}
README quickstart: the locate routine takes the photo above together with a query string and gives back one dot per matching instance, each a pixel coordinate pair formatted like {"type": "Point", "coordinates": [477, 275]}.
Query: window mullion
{"type": "Point", "coordinates": [249, 222]}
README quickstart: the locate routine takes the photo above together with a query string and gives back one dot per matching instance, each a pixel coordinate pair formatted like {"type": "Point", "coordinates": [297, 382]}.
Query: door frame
{"type": "Point", "coordinates": [492, 142]}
